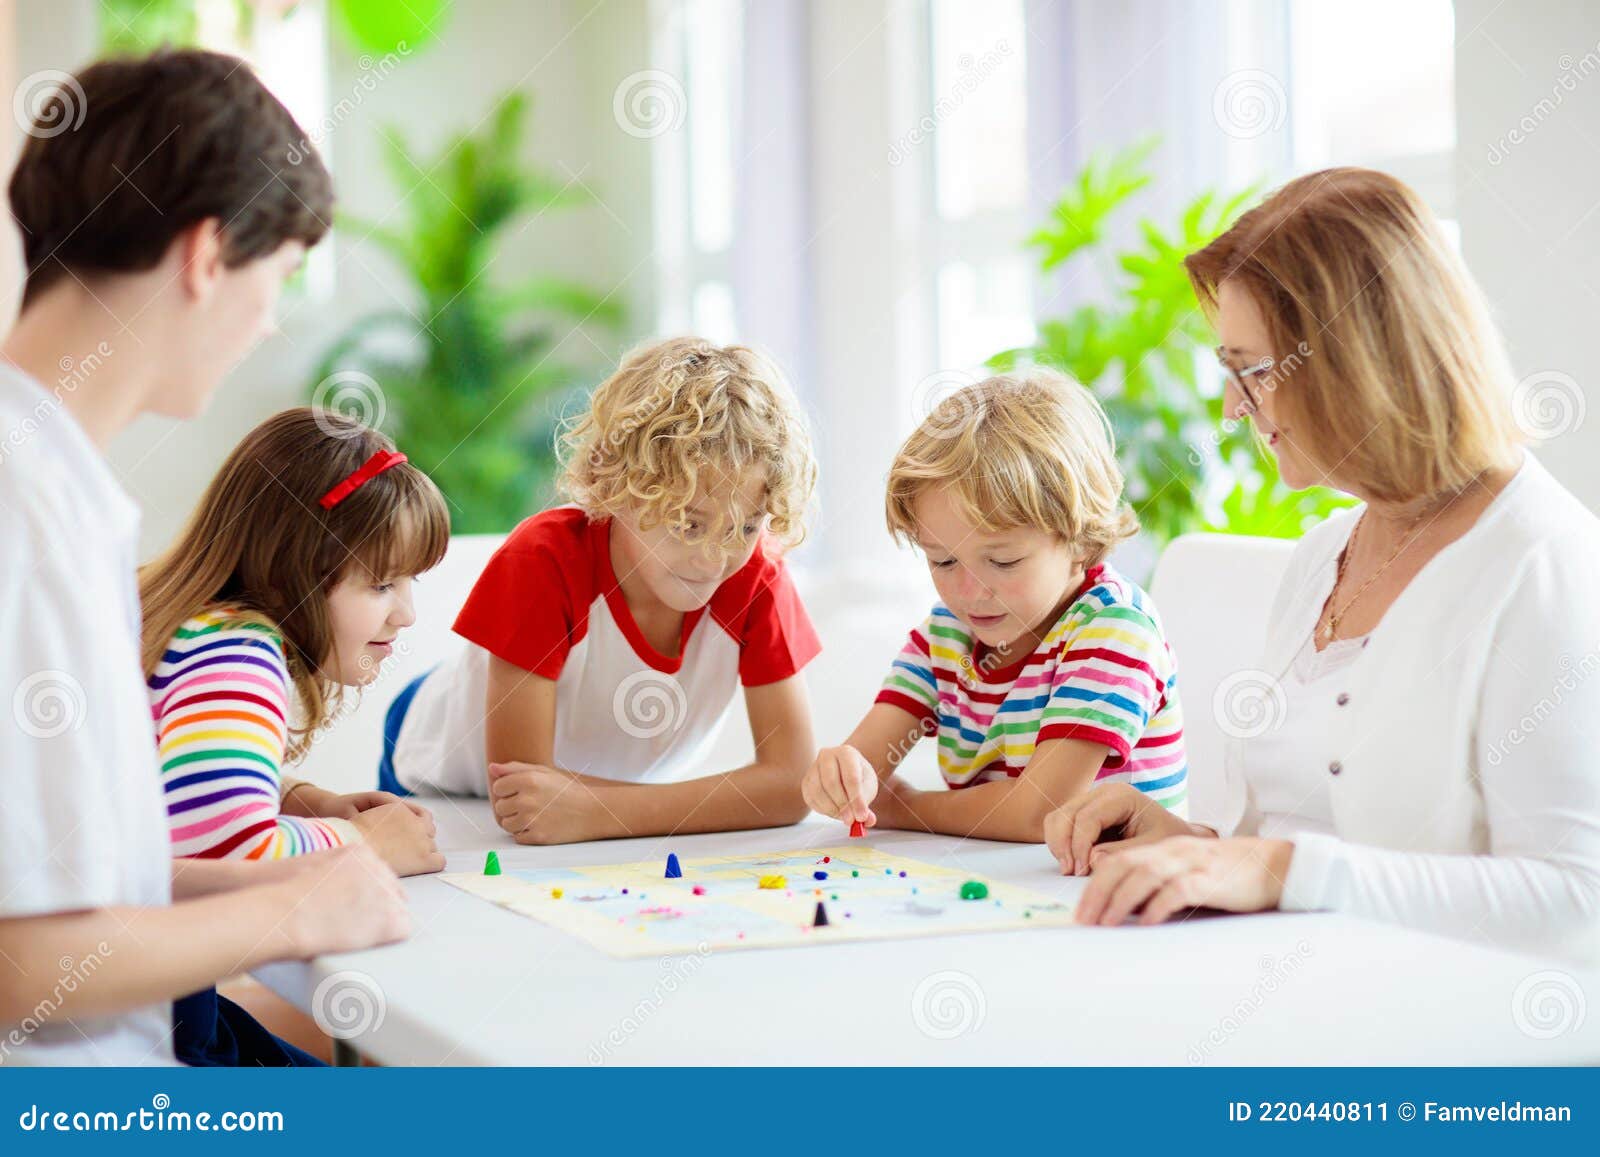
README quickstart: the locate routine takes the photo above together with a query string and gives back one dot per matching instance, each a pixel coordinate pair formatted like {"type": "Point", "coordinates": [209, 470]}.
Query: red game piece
{"type": "Point", "coordinates": [856, 830]}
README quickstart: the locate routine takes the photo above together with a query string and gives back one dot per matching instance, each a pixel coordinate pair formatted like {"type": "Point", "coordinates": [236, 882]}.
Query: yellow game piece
{"type": "Point", "coordinates": [773, 882]}
{"type": "Point", "coordinates": [555, 893]}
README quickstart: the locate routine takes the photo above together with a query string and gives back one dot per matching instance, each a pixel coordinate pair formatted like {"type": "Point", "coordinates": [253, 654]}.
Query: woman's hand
{"type": "Point", "coordinates": [403, 838]}
{"type": "Point", "coordinates": [841, 784]}
{"type": "Point", "coordinates": [1158, 879]}
{"type": "Point", "coordinates": [1073, 831]}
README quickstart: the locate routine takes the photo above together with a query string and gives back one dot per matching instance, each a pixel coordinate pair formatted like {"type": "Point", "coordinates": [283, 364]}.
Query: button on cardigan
{"type": "Point", "coordinates": [1466, 798]}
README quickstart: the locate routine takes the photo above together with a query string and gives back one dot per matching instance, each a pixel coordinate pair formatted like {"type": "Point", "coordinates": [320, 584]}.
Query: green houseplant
{"type": "Point", "coordinates": [465, 379]}
{"type": "Point", "coordinates": [1144, 351]}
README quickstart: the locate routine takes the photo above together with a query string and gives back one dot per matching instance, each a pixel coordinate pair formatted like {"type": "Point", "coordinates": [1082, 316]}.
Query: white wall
{"type": "Point", "coordinates": [1529, 208]}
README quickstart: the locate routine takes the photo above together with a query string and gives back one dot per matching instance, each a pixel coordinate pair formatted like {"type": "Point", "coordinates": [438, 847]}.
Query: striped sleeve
{"type": "Point", "coordinates": [910, 683]}
{"type": "Point", "coordinates": [220, 700]}
{"type": "Point", "coordinates": [1110, 678]}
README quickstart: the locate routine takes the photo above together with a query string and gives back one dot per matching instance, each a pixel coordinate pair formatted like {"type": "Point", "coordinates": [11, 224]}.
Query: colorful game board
{"type": "Point", "coordinates": [719, 903]}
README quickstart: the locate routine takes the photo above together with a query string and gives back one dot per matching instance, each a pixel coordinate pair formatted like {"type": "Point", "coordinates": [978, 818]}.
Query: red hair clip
{"type": "Point", "coordinates": [368, 470]}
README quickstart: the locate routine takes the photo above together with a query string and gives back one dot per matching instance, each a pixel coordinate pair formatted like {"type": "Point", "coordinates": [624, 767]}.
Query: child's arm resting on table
{"type": "Point", "coordinates": [844, 783]}
{"type": "Point", "coordinates": [540, 803]}
{"type": "Point", "coordinates": [334, 901]}
{"type": "Point", "coordinates": [1007, 809]}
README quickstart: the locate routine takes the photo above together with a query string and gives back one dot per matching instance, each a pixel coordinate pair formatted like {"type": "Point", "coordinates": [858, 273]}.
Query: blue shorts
{"type": "Point", "coordinates": [392, 721]}
{"type": "Point", "coordinates": [210, 1031]}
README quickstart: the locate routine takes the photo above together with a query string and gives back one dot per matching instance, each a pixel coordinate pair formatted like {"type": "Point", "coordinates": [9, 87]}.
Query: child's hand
{"type": "Point", "coordinates": [403, 838]}
{"type": "Point", "coordinates": [841, 784]}
{"type": "Point", "coordinates": [1075, 832]}
{"type": "Point", "coordinates": [348, 806]}
{"type": "Point", "coordinates": [343, 900]}
{"type": "Point", "coordinates": [307, 799]}
{"type": "Point", "coordinates": [536, 804]}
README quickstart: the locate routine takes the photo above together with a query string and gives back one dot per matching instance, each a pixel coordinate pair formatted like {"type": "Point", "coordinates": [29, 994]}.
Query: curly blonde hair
{"type": "Point", "coordinates": [1030, 449]}
{"type": "Point", "coordinates": [683, 418]}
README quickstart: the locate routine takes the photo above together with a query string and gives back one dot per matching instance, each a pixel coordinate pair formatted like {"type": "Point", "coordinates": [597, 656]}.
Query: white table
{"type": "Point", "coordinates": [480, 985]}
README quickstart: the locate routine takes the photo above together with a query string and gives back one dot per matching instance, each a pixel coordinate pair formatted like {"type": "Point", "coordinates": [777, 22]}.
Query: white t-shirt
{"type": "Point", "coordinates": [549, 602]}
{"type": "Point", "coordinates": [82, 823]}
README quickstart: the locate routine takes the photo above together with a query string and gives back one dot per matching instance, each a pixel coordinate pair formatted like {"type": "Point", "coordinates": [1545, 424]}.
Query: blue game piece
{"type": "Point", "coordinates": [674, 872]}
{"type": "Point", "coordinates": [819, 875]}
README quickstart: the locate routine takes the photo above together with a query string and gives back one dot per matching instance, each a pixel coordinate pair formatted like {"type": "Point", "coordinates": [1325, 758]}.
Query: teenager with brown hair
{"type": "Point", "coordinates": [158, 232]}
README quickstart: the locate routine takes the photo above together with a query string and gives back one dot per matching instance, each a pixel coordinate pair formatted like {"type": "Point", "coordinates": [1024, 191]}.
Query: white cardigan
{"type": "Point", "coordinates": [1467, 791]}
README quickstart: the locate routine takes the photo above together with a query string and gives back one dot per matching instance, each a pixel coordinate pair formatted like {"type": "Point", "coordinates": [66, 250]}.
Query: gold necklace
{"type": "Point", "coordinates": [1335, 617]}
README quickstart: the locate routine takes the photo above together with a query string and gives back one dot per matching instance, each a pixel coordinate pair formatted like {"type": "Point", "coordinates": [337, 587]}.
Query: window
{"type": "Point", "coordinates": [968, 207]}
{"type": "Point", "coordinates": [696, 187]}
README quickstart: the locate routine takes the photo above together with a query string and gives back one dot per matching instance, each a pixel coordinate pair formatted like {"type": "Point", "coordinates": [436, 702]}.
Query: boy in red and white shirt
{"type": "Point", "coordinates": [605, 640]}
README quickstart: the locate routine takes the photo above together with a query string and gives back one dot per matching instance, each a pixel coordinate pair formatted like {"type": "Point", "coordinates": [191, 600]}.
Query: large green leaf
{"type": "Point", "coordinates": [1139, 350]}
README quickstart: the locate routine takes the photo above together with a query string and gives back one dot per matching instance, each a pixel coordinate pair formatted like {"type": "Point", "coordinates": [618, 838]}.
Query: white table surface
{"type": "Point", "coordinates": [479, 985]}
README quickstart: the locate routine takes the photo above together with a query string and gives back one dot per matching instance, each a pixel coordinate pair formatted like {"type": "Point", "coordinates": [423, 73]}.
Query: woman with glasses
{"type": "Point", "coordinates": [1432, 656]}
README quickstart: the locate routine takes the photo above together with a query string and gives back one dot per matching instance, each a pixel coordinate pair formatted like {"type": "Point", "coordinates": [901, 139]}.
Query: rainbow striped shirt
{"type": "Point", "coordinates": [1103, 672]}
{"type": "Point", "coordinates": [220, 699]}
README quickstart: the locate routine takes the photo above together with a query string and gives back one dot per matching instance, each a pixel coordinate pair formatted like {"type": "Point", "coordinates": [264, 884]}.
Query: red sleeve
{"type": "Point", "coordinates": [524, 608]}
{"type": "Point", "coordinates": [764, 612]}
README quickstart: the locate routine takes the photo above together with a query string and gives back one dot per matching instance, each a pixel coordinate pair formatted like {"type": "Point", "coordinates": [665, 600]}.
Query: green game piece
{"type": "Point", "coordinates": [974, 890]}
{"type": "Point", "coordinates": [853, 872]}
{"type": "Point", "coordinates": [491, 864]}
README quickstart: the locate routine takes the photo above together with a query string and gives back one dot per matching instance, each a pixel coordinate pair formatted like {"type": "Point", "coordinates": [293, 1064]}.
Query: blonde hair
{"type": "Point", "coordinates": [1402, 375]}
{"type": "Point", "coordinates": [1030, 449]}
{"type": "Point", "coordinates": [259, 545]}
{"type": "Point", "coordinates": [676, 418]}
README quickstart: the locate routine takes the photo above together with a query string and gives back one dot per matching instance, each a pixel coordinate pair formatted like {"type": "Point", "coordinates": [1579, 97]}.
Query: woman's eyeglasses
{"type": "Point", "coordinates": [1241, 378]}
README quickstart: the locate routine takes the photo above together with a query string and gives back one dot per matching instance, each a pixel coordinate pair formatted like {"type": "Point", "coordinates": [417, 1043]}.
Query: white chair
{"type": "Point", "coordinates": [1214, 592]}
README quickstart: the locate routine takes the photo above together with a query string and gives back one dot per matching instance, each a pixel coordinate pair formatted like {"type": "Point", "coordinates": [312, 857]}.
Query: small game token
{"type": "Point", "coordinates": [772, 883]}
{"type": "Point", "coordinates": [674, 872]}
{"type": "Point", "coordinates": [491, 864]}
{"type": "Point", "coordinates": [699, 890]}
{"type": "Point", "coordinates": [555, 893]}
{"type": "Point", "coordinates": [820, 920]}
{"type": "Point", "coordinates": [819, 875]}
{"type": "Point", "coordinates": [974, 890]}
{"type": "Point", "coordinates": [856, 830]}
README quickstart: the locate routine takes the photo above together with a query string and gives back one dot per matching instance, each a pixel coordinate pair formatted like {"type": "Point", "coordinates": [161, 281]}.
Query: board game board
{"type": "Point", "coordinates": [720, 902]}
